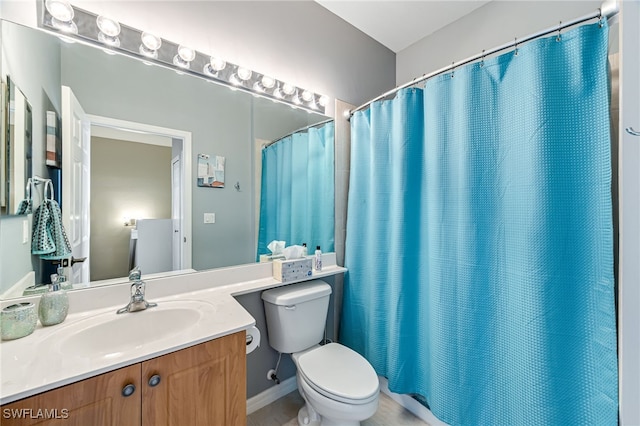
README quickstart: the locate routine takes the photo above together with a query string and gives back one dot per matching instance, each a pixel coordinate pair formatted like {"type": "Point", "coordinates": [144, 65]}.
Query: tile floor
{"type": "Point", "coordinates": [284, 412]}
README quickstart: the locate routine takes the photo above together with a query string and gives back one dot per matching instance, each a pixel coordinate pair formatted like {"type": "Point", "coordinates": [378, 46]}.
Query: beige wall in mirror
{"type": "Point", "coordinates": [132, 180]}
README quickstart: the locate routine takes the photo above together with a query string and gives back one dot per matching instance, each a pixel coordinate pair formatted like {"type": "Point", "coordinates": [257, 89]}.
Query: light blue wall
{"type": "Point", "coordinates": [37, 74]}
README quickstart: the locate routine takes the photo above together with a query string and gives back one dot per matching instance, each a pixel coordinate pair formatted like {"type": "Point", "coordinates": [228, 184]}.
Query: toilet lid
{"type": "Point", "coordinates": [339, 373]}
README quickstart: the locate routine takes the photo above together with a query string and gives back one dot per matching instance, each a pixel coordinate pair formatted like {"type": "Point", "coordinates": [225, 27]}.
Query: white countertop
{"type": "Point", "coordinates": [35, 363]}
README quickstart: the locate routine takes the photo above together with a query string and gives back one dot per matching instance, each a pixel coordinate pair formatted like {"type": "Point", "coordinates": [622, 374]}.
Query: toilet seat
{"type": "Point", "coordinates": [339, 373]}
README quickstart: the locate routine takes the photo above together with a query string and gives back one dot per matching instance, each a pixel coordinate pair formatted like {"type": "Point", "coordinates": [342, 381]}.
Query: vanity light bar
{"type": "Point", "coordinates": [140, 45]}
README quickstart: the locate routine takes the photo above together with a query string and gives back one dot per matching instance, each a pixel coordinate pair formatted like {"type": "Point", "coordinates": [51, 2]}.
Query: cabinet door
{"type": "Point", "coordinates": [95, 401]}
{"type": "Point", "coordinates": [200, 385]}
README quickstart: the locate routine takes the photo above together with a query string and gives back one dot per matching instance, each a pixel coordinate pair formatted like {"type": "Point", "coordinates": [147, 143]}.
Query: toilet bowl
{"type": "Point", "coordinates": [339, 386]}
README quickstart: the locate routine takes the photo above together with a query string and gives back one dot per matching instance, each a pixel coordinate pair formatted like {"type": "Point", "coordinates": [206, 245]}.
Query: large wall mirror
{"type": "Point", "coordinates": [146, 128]}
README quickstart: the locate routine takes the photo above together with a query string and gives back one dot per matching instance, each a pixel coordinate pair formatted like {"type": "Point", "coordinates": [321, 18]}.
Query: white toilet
{"type": "Point", "coordinates": [339, 386]}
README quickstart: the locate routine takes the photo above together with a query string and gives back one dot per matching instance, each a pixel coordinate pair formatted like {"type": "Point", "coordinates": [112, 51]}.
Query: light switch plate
{"type": "Point", "coordinates": [209, 218]}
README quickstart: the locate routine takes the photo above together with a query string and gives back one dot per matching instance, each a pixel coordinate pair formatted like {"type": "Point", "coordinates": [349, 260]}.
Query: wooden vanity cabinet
{"type": "Point", "coordinates": [95, 401]}
{"type": "Point", "coordinates": [200, 385]}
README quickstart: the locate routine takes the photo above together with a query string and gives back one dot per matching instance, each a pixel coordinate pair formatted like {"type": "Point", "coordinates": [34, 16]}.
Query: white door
{"type": "Point", "coordinates": [176, 212]}
{"type": "Point", "coordinates": [76, 137]}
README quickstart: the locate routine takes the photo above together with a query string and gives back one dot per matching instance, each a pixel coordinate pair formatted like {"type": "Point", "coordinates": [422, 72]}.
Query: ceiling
{"type": "Point", "coordinates": [398, 24]}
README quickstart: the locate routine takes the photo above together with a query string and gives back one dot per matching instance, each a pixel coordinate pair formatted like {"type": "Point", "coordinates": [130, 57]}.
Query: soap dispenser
{"type": "Point", "coordinates": [54, 304]}
{"type": "Point", "coordinates": [62, 279]}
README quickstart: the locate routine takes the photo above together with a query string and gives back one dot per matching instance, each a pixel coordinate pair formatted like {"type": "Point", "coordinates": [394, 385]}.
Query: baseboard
{"type": "Point", "coordinates": [411, 404]}
{"type": "Point", "coordinates": [270, 395]}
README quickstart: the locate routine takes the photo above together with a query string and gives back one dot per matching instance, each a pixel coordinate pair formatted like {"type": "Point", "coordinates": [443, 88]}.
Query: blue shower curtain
{"type": "Point", "coordinates": [297, 191]}
{"type": "Point", "coordinates": [479, 238]}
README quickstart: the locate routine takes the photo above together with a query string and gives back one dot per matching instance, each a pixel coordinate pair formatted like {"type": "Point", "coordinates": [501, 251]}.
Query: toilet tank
{"type": "Point", "coordinates": [296, 315]}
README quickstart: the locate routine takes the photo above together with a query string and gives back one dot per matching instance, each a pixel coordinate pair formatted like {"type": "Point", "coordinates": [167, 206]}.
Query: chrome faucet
{"type": "Point", "coordinates": [137, 302]}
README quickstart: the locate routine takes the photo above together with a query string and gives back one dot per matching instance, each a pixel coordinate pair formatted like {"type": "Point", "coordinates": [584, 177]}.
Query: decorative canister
{"type": "Point", "coordinates": [18, 320]}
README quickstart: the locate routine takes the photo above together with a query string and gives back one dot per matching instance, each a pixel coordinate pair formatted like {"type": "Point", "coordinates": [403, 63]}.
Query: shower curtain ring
{"type": "Point", "coordinates": [600, 20]}
{"type": "Point", "coordinates": [559, 38]}
{"type": "Point", "coordinates": [453, 68]}
{"type": "Point", "coordinates": [482, 60]}
{"type": "Point", "coordinates": [516, 44]}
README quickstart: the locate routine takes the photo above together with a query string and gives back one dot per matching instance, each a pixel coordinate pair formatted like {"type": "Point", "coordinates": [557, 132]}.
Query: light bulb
{"type": "Point", "coordinates": [60, 9]}
{"type": "Point", "coordinates": [187, 54]}
{"type": "Point", "coordinates": [323, 101]}
{"type": "Point", "coordinates": [244, 73]}
{"type": "Point", "coordinates": [109, 30]}
{"type": "Point", "coordinates": [184, 57]}
{"type": "Point", "coordinates": [150, 45]}
{"type": "Point", "coordinates": [151, 41]}
{"type": "Point", "coordinates": [217, 64]}
{"type": "Point", "coordinates": [288, 89]}
{"type": "Point", "coordinates": [307, 96]}
{"type": "Point", "coordinates": [268, 82]}
{"type": "Point", "coordinates": [61, 15]}
{"type": "Point", "coordinates": [108, 26]}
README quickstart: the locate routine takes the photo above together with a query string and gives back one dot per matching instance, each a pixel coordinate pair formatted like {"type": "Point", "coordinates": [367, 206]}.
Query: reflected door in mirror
{"type": "Point", "coordinates": [76, 136]}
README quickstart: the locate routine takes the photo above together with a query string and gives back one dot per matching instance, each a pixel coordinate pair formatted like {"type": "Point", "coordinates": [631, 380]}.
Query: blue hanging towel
{"type": "Point", "coordinates": [49, 239]}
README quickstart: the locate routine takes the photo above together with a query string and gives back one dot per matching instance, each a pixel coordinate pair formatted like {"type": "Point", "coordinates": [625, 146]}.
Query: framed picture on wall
{"type": "Point", "coordinates": [211, 171]}
{"type": "Point", "coordinates": [54, 141]}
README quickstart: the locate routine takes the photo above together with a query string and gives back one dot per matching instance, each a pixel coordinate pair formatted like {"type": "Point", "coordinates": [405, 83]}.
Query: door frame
{"type": "Point", "coordinates": [185, 136]}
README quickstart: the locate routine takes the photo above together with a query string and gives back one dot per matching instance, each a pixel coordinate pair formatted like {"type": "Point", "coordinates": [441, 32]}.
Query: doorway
{"type": "Point", "coordinates": [145, 171]}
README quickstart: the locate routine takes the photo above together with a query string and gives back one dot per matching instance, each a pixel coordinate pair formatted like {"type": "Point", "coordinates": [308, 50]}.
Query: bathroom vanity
{"type": "Point", "coordinates": [183, 362]}
{"type": "Point", "coordinates": [202, 384]}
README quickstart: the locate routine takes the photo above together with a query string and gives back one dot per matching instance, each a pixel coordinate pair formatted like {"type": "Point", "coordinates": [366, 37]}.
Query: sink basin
{"type": "Point", "coordinates": [110, 334]}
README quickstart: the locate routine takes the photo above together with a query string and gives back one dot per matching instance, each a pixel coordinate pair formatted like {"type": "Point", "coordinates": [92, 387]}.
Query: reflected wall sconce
{"type": "Point", "coordinates": [129, 221]}
{"type": "Point", "coordinates": [74, 23]}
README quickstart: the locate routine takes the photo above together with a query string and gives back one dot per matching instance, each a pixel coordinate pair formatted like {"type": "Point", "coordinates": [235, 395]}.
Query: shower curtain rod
{"type": "Point", "coordinates": [302, 129]}
{"type": "Point", "coordinates": [608, 9]}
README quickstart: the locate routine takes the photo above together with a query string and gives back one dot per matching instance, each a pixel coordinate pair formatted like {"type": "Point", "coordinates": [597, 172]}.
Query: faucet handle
{"type": "Point", "coordinates": [137, 288]}
{"type": "Point", "coordinates": [135, 274]}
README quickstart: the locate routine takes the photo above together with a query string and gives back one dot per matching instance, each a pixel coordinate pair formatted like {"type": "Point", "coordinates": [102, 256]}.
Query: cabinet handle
{"type": "Point", "coordinates": [128, 390]}
{"type": "Point", "coordinates": [154, 380]}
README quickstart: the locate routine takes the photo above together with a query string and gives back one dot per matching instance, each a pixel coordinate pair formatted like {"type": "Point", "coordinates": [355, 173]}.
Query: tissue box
{"type": "Point", "coordinates": [291, 270]}
{"type": "Point", "coordinates": [270, 257]}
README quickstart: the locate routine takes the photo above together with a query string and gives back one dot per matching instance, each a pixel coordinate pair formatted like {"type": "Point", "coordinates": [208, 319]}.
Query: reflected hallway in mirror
{"type": "Point", "coordinates": [137, 215]}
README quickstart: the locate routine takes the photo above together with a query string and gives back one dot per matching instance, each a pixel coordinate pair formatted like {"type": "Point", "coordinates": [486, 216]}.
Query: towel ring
{"type": "Point", "coordinates": [28, 188]}
{"type": "Point", "coordinates": [48, 185]}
